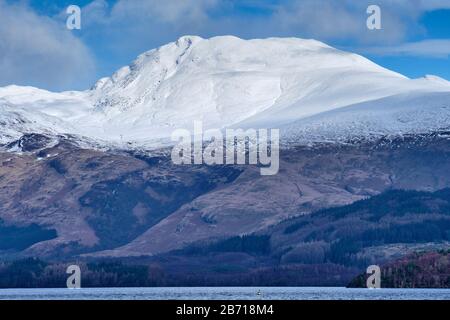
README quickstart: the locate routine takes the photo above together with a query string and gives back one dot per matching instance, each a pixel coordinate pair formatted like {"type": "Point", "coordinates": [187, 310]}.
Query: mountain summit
{"type": "Point", "coordinates": [298, 85]}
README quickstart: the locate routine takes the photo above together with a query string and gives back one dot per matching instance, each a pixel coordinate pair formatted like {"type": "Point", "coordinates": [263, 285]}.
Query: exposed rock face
{"type": "Point", "coordinates": [106, 203]}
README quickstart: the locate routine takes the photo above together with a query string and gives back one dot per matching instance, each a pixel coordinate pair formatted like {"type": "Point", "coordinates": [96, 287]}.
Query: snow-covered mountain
{"type": "Point", "coordinates": [308, 89]}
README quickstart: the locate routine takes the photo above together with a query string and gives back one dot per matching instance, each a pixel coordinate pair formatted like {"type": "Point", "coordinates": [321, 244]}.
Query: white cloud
{"type": "Point", "coordinates": [177, 12]}
{"type": "Point", "coordinates": [38, 51]}
{"type": "Point", "coordinates": [143, 12]}
{"type": "Point", "coordinates": [148, 21]}
{"type": "Point", "coordinates": [346, 19]}
{"type": "Point", "coordinates": [437, 48]}
{"type": "Point", "coordinates": [129, 28]}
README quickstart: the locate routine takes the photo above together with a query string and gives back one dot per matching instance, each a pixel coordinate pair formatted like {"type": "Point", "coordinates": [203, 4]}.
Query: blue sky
{"type": "Point", "coordinates": [436, 25]}
{"type": "Point", "coordinates": [36, 48]}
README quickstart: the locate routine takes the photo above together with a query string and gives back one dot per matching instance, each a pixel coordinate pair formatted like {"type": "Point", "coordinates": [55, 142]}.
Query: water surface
{"type": "Point", "coordinates": [225, 293]}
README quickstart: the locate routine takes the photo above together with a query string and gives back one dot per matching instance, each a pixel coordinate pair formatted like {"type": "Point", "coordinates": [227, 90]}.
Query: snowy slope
{"type": "Point", "coordinates": [227, 81]}
{"type": "Point", "coordinates": [410, 113]}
